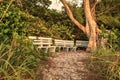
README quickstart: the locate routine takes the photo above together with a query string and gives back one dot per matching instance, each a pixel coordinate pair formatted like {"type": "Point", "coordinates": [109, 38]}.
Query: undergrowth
{"type": "Point", "coordinates": [104, 64]}
{"type": "Point", "coordinates": [18, 59]}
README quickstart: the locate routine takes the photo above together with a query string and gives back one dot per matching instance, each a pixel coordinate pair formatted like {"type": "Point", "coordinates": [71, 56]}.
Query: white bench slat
{"type": "Point", "coordinates": [43, 42]}
{"type": "Point", "coordinates": [59, 43]}
{"type": "Point", "coordinates": [81, 43]}
{"type": "Point", "coordinates": [69, 44]}
{"type": "Point", "coordinates": [66, 44]}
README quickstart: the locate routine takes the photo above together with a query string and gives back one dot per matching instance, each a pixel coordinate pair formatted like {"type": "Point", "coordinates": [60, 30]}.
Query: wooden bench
{"type": "Point", "coordinates": [46, 43]}
{"type": "Point", "coordinates": [65, 44]}
{"type": "Point", "coordinates": [43, 42]}
{"type": "Point", "coordinates": [69, 44]}
{"type": "Point", "coordinates": [59, 44]}
{"type": "Point", "coordinates": [81, 43]}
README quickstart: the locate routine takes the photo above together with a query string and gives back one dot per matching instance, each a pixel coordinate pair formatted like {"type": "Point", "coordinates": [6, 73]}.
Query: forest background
{"type": "Point", "coordinates": [22, 18]}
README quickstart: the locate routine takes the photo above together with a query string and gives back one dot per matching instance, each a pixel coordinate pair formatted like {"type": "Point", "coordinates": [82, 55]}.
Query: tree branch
{"type": "Point", "coordinates": [70, 14]}
{"type": "Point", "coordinates": [111, 8]}
{"type": "Point", "coordinates": [93, 10]}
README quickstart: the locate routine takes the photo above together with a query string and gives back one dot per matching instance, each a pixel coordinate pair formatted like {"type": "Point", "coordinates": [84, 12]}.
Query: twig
{"type": "Point", "coordinates": [109, 9]}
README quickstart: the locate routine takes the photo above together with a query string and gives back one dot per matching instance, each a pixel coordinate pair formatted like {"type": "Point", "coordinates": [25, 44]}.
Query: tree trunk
{"type": "Point", "coordinates": [91, 29]}
{"type": "Point", "coordinates": [92, 45]}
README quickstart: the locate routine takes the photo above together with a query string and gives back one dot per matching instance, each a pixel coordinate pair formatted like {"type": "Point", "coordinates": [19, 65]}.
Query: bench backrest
{"type": "Point", "coordinates": [68, 43]}
{"type": "Point", "coordinates": [81, 43]}
{"type": "Point", "coordinates": [41, 41]}
{"type": "Point", "coordinates": [59, 43]}
{"type": "Point", "coordinates": [64, 43]}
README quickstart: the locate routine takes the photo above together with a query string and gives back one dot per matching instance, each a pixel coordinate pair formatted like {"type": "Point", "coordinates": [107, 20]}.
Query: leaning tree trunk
{"type": "Point", "coordinates": [91, 29]}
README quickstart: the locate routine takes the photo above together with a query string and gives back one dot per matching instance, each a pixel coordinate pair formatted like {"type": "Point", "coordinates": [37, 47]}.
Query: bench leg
{"type": "Point", "coordinates": [59, 49]}
{"type": "Point", "coordinates": [66, 49]}
{"type": "Point", "coordinates": [74, 49]}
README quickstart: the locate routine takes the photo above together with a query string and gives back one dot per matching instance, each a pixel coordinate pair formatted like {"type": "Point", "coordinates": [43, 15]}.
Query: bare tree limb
{"type": "Point", "coordinates": [70, 14]}
{"type": "Point", "coordinates": [1, 1]}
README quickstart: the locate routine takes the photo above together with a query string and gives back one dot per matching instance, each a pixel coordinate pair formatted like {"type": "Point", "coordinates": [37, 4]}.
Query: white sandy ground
{"type": "Point", "coordinates": [65, 66]}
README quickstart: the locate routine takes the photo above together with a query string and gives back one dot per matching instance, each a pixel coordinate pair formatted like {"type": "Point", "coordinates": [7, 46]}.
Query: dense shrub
{"type": "Point", "coordinates": [19, 59]}
{"type": "Point", "coordinates": [104, 64]}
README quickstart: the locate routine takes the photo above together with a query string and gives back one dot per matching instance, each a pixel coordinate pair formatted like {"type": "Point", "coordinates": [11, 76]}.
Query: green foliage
{"type": "Point", "coordinates": [12, 22]}
{"type": "Point", "coordinates": [108, 13]}
{"type": "Point", "coordinates": [110, 21]}
{"type": "Point", "coordinates": [45, 55]}
{"type": "Point", "coordinates": [57, 31]}
{"type": "Point", "coordinates": [18, 21]}
{"type": "Point", "coordinates": [112, 36]}
{"type": "Point", "coordinates": [19, 59]}
{"type": "Point", "coordinates": [36, 7]}
{"type": "Point", "coordinates": [78, 13]}
{"type": "Point", "coordinates": [105, 66]}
